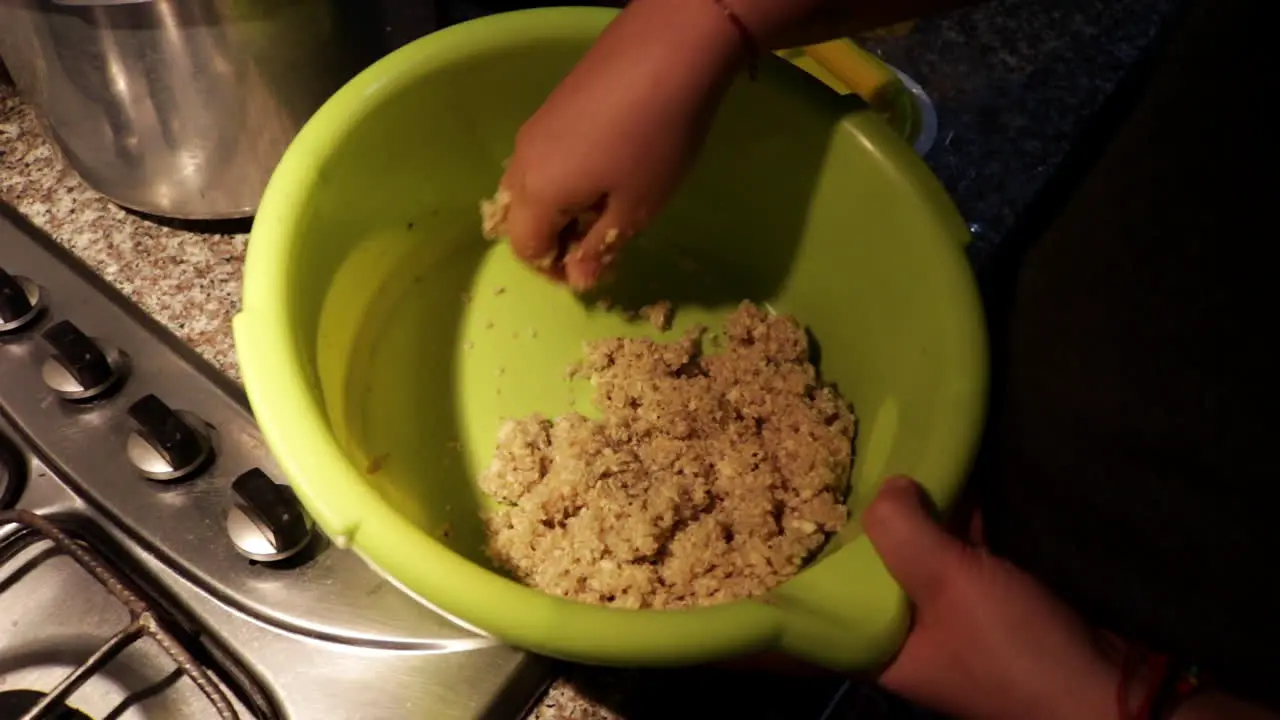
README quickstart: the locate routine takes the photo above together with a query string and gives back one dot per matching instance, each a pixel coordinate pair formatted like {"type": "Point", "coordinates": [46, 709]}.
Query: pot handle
{"type": "Point", "coordinates": [849, 69]}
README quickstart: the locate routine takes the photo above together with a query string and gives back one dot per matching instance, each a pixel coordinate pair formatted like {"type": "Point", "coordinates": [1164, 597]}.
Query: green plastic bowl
{"type": "Point", "coordinates": [382, 341]}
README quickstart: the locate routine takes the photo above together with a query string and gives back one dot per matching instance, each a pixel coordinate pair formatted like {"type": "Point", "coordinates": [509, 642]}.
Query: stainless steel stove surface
{"type": "Point", "coordinates": [152, 562]}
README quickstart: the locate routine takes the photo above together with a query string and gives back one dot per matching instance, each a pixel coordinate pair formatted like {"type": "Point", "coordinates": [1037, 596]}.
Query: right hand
{"type": "Point", "coordinates": [616, 136]}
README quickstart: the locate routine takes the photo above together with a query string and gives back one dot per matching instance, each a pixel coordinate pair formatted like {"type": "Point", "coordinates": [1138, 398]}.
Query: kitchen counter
{"type": "Point", "coordinates": [1014, 82]}
{"type": "Point", "coordinates": [186, 275]}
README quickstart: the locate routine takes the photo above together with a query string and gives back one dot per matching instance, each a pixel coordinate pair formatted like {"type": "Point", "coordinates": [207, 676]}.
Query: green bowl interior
{"type": "Point", "coordinates": [418, 337]}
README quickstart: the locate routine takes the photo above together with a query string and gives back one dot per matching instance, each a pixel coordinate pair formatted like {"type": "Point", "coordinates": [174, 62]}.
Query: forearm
{"type": "Point", "coordinates": [705, 39]}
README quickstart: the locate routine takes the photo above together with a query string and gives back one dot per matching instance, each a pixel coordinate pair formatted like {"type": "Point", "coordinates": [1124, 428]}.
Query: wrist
{"type": "Point", "coordinates": [768, 20]}
{"type": "Point", "coordinates": [1083, 692]}
{"type": "Point", "coordinates": [688, 51]}
{"type": "Point", "coordinates": [710, 33]}
{"type": "Point", "coordinates": [1094, 694]}
{"type": "Point", "coordinates": [694, 38]}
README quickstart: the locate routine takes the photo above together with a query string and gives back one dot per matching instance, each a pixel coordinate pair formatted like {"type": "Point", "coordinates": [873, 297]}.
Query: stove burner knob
{"type": "Point", "coordinates": [266, 522]}
{"type": "Point", "coordinates": [80, 368]}
{"type": "Point", "coordinates": [167, 444]}
{"type": "Point", "coordinates": [19, 301]}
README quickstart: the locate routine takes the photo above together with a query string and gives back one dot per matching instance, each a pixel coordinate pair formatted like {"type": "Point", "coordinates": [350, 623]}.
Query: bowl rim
{"type": "Point", "coordinates": [285, 399]}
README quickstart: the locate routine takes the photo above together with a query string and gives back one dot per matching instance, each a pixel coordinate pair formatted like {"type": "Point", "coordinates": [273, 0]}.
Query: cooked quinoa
{"type": "Point", "coordinates": [493, 214]}
{"type": "Point", "coordinates": [707, 478]}
{"type": "Point", "coordinates": [659, 315]}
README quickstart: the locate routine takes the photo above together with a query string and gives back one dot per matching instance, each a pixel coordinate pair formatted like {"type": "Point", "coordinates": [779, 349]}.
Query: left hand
{"type": "Point", "coordinates": [987, 642]}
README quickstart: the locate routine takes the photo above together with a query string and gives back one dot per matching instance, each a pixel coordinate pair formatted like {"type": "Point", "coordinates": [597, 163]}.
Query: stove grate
{"type": "Point", "coordinates": [143, 622]}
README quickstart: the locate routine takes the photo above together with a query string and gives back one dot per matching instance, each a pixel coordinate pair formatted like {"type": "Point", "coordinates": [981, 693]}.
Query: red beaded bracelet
{"type": "Point", "coordinates": [749, 43]}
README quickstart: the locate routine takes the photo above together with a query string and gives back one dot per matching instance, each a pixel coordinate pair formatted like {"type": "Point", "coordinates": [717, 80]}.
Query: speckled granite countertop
{"type": "Point", "coordinates": [1013, 80]}
{"type": "Point", "coordinates": [188, 278]}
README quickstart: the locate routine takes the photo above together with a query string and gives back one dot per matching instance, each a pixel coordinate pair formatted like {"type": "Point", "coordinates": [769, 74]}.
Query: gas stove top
{"type": "Point", "coordinates": [153, 564]}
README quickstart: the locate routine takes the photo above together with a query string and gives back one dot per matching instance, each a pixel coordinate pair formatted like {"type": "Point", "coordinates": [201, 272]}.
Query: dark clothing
{"type": "Point", "coordinates": [1133, 460]}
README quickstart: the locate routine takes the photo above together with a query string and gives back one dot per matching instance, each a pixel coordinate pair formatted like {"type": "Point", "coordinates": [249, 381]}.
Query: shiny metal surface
{"type": "Point", "coordinates": [321, 634]}
{"type": "Point", "coordinates": [255, 542]}
{"type": "Point", "coordinates": [57, 617]}
{"type": "Point", "coordinates": [153, 466]}
{"type": "Point", "coordinates": [267, 522]}
{"type": "Point", "coordinates": [146, 620]}
{"type": "Point", "coordinates": [179, 108]}
{"type": "Point", "coordinates": [32, 291]}
{"type": "Point", "coordinates": [59, 379]}
{"type": "Point", "coordinates": [185, 522]}
{"type": "Point", "coordinates": [269, 674]}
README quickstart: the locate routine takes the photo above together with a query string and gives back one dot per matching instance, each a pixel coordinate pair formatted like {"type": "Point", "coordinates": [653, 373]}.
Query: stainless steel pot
{"type": "Point", "coordinates": [179, 108]}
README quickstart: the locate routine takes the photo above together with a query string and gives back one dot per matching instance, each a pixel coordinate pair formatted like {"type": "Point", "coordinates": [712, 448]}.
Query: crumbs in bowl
{"type": "Point", "coordinates": [659, 314]}
{"type": "Point", "coordinates": [707, 477]}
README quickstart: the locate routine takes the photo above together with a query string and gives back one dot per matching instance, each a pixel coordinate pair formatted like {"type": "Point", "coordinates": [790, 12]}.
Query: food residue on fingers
{"type": "Point", "coordinates": [547, 262]}
{"type": "Point", "coordinates": [609, 250]}
{"type": "Point", "coordinates": [493, 214]}
{"type": "Point", "coordinates": [569, 246]}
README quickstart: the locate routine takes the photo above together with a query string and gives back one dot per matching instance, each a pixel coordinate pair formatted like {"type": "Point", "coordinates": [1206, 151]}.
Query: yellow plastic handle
{"type": "Point", "coordinates": [857, 71]}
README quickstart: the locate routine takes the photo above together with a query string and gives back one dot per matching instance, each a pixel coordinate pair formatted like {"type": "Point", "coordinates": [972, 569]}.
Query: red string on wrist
{"type": "Point", "coordinates": [749, 44]}
{"type": "Point", "coordinates": [1169, 685]}
{"type": "Point", "coordinates": [1174, 691]}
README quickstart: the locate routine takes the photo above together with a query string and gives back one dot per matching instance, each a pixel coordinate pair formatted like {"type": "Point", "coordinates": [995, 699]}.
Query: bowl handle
{"type": "Point", "coordinates": [845, 613]}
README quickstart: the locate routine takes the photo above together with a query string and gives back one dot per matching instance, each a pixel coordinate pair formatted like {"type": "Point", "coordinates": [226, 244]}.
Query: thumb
{"type": "Point", "coordinates": [590, 258]}
{"type": "Point", "coordinates": [914, 547]}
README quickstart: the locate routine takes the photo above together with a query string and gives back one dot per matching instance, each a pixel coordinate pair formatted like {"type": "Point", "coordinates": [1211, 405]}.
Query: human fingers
{"type": "Point", "coordinates": [534, 226]}
{"type": "Point", "coordinates": [917, 551]}
{"type": "Point", "coordinates": [589, 259]}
